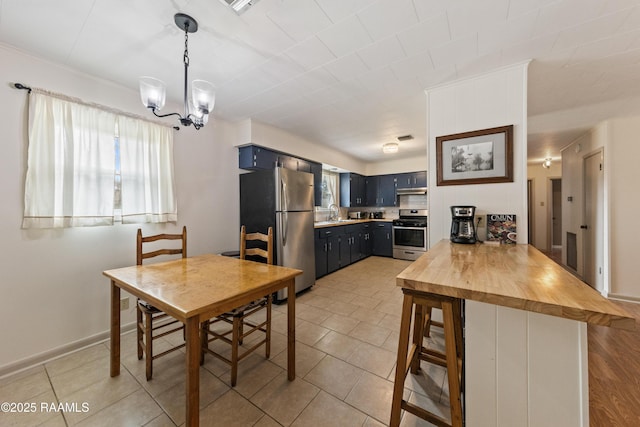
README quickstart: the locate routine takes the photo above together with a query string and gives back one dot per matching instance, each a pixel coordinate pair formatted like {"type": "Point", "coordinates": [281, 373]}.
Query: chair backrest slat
{"type": "Point", "coordinates": [141, 254]}
{"type": "Point", "coordinates": [268, 238]}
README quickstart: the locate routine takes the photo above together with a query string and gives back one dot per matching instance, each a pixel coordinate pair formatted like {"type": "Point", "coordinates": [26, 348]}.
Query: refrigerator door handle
{"type": "Point", "coordinates": [285, 209]}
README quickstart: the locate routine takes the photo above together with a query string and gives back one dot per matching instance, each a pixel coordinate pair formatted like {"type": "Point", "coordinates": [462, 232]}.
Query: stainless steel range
{"type": "Point", "coordinates": [410, 234]}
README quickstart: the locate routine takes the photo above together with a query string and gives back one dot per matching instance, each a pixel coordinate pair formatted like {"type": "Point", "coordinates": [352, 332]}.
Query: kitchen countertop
{"type": "Point", "coordinates": [515, 276]}
{"type": "Point", "coordinates": [323, 224]}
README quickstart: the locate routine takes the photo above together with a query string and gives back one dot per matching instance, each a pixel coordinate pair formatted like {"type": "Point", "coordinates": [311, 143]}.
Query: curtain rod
{"type": "Point", "coordinates": [90, 104]}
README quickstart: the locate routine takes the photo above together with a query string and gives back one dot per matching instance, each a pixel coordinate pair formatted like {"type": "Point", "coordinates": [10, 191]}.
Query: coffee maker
{"type": "Point", "coordinates": [463, 229]}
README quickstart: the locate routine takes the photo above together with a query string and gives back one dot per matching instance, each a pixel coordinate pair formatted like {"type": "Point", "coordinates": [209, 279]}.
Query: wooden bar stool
{"type": "Point", "coordinates": [409, 356]}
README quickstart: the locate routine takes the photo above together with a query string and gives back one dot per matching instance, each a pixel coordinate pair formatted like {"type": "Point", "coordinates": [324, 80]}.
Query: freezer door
{"type": "Point", "coordinates": [294, 190]}
{"type": "Point", "coordinates": [294, 247]}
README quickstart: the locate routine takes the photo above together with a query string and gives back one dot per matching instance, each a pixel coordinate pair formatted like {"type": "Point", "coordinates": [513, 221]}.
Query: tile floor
{"type": "Point", "coordinates": [347, 336]}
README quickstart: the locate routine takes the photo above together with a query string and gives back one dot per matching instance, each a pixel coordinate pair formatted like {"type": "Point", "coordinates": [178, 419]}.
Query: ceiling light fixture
{"type": "Point", "coordinates": [546, 163]}
{"type": "Point", "coordinates": [153, 91]}
{"type": "Point", "coordinates": [390, 148]}
{"type": "Point", "coordinates": [239, 6]}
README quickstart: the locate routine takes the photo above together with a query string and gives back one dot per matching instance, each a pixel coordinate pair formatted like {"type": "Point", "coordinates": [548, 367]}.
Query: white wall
{"type": "Point", "coordinates": [410, 164]}
{"type": "Point", "coordinates": [521, 368]}
{"type": "Point", "coordinates": [54, 297]}
{"type": "Point", "coordinates": [254, 132]}
{"type": "Point", "coordinates": [491, 100]}
{"type": "Point", "coordinates": [541, 200]}
{"type": "Point", "coordinates": [617, 137]}
{"type": "Point", "coordinates": [623, 206]}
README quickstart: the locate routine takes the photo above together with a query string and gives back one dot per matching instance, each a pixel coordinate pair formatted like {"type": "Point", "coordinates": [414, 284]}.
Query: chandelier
{"type": "Point", "coordinates": [153, 91]}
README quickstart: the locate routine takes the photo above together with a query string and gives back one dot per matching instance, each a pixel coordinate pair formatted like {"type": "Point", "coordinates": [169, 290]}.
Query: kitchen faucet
{"type": "Point", "coordinates": [334, 212]}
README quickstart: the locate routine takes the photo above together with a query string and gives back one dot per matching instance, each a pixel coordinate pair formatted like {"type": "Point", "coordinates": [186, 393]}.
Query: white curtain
{"type": "Point", "coordinates": [70, 166]}
{"type": "Point", "coordinates": [148, 189]}
{"type": "Point", "coordinates": [73, 159]}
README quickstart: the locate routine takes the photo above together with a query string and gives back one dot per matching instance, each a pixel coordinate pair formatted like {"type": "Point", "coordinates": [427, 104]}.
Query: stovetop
{"type": "Point", "coordinates": [411, 218]}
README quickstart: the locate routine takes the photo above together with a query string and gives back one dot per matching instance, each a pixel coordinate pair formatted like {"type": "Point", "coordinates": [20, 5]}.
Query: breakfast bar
{"type": "Point", "coordinates": [524, 322]}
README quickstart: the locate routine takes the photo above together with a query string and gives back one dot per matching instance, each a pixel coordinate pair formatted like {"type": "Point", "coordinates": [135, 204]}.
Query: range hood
{"type": "Point", "coordinates": [411, 191]}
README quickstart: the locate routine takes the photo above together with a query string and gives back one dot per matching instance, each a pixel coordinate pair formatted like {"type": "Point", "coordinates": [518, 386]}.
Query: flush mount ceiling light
{"type": "Point", "coordinates": [546, 163]}
{"type": "Point", "coordinates": [153, 91]}
{"type": "Point", "coordinates": [239, 6]}
{"type": "Point", "coordinates": [390, 148]}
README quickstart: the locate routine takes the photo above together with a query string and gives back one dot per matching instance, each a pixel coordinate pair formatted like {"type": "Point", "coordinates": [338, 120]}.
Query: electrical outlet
{"type": "Point", "coordinates": [124, 304]}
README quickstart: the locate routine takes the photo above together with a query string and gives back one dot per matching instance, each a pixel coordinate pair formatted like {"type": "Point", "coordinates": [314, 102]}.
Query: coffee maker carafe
{"type": "Point", "coordinates": [463, 229]}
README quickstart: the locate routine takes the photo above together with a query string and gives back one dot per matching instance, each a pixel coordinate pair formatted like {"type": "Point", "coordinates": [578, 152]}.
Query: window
{"type": "Point", "coordinates": [84, 161]}
{"type": "Point", "coordinates": [330, 188]}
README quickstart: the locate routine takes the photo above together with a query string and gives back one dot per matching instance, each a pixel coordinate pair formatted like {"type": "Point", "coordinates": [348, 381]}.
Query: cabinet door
{"type": "Point", "coordinates": [366, 241]}
{"type": "Point", "coordinates": [382, 244]}
{"type": "Point", "coordinates": [361, 193]}
{"type": "Point", "coordinates": [387, 190]}
{"type": "Point", "coordinates": [371, 191]}
{"type": "Point", "coordinates": [419, 179]}
{"type": "Point", "coordinates": [333, 253]}
{"type": "Point", "coordinates": [321, 249]}
{"type": "Point", "coordinates": [316, 170]}
{"type": "Point", "coordinates": [404, 180]}
{"type": "Point", "coordinates": [345, 249]}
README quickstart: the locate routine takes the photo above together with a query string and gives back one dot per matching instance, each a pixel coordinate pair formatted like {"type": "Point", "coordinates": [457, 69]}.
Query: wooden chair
{"type": "Point", "coordinates": [153, 323]}
{"type": "Point", "coordinates": [239, 319]}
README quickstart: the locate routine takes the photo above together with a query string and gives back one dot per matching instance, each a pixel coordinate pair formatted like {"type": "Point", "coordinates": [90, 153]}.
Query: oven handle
{"type": "Point", "coordinates": [399, 227]}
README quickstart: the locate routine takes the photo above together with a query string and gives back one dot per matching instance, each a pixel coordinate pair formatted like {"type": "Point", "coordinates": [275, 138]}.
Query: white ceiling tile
{"type": "Point", "coordinates": [414, 66]}
{"type": "Point", "coordinates": [337, 10]}
{"type": "Point", "coordinates": [299, 18]}
{"type": "Point", "coordinates": [382, 53]}
{"type": "Point", "coordinates": [345, 37]}
{"type": "Point", "coordinates": [479, 64]}
{"type": "Point", "coordinates": [521, 7]}
{"type": "Point", "coordinates": [590, 31]}
{"type": "Point", "coordinates": [470, 16]}
{"type": "Point", "coordinates": [384, 18]}
{"type": "Point", "coordinates": [632, 22]}
{"type": "Point", "coordinates": [310, 53]}
{"type": "Point", "coordinates": [605, 47]}
{"type": "Point", "coordinates": [567, 13]}
{"type": "Point", "coordinates": [281, 68]}
{"type": "Point", "coordinates": [429, 9]}
{"type": "Point", "coordinates": [347, 68]}
{"type": "Point", "coordinates": [425, 35]}
{"type": "Point", "coordinates": [437, 76]}
{"type": "Point", "coordinates": [534, 49]}
{"type": "Point", "coordinates": [377, 79]}
{"type": "Point", "coordinates": [506, 33]}
{"type": "Point", "coordinates": [460, 49]}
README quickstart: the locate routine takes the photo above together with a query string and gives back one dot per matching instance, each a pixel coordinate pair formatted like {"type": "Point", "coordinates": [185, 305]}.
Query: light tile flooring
{"type": "Point", "coordinates": [347, 335]}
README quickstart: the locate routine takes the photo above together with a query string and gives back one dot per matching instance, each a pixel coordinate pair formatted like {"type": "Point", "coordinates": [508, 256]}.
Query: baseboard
{"type": "Point", "coordinates": [626, 298]}
{"type": "Point", "coordinates": [58, 352]}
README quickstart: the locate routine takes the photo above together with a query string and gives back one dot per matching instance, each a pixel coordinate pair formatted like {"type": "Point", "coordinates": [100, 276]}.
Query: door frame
{"type": "Point", "coordinates": [603, 221]}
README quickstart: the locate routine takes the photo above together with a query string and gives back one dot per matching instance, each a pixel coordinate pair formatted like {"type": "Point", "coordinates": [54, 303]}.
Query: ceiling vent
{"type": "Point", "coordinates": [405, 138]}
{"type": "Point", "coordinates": [239, 6]}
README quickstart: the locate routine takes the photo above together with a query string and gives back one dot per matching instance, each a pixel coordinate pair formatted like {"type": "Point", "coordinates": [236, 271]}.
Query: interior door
{"type": "Point", "coordinates": [593, 225]}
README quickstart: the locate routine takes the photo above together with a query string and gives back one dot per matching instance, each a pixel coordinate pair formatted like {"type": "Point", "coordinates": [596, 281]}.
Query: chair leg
{"type": "Point", "coordinates": [148, 331]}
{"type": "Point", "coordinates": [237, 322]}
{"type": "Point", "coordinates": [427, 326]}
{"type": "Point", "coordinates": [204, 340]}
{"type": "Point", "coordinates": [139, 325]}
{"type": "Point", "coordinates": [418, 333]}
{"type": "Point", "coordinates": [267, 344]}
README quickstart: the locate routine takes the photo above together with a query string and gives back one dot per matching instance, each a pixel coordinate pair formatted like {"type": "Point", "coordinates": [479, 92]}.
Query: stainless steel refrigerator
{"type": "Point", "coordinates": [282, 199]}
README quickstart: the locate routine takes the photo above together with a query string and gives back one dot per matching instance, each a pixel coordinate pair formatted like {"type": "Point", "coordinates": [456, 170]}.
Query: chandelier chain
{"type": "Point", "coordinates": [186, 46]}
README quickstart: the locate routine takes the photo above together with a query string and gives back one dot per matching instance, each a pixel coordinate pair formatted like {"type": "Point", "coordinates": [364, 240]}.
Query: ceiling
{"type": "Point", "coordinates": [352, 74]}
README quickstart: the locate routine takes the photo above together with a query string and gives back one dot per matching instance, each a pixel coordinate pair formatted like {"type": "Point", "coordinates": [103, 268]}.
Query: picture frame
{"type": "Point", "coordinates": [478, 157]}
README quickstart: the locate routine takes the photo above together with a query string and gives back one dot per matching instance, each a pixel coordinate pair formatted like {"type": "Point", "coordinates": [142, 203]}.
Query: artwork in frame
{"type": "Point", "coordinates": [477, 157]}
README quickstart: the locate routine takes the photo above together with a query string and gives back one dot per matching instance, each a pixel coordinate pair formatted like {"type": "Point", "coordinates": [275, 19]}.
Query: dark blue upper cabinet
{"type": "Point", "coordinates": [352, 190]}
{"type": "Point", "coordinates": [254, 157]}
{"type": "Point", "coordinates": [412, 179]}
{"type": "Point", "coordinates": [387, 191]}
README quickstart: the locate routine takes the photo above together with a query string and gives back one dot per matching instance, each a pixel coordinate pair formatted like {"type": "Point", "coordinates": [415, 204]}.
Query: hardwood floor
{"type": "Point", "coordinates": [614, 374]}
{"type": "Point", "coordinates": [614, 370]}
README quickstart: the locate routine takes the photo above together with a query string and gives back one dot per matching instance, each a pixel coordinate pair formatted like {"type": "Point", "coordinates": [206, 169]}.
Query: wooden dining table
{"type": "Point", "coordinates": [195, 289]}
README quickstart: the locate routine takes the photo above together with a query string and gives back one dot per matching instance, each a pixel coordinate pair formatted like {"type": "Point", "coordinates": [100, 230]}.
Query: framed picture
{"type": "Point", "coordinates": [477, 157]}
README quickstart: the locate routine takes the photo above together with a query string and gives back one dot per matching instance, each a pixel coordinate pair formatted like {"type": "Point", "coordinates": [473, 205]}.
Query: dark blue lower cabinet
{"type": "Point", "coordinates": [321, 248]}
{"type": "Point", "coordinates": [382, 241]}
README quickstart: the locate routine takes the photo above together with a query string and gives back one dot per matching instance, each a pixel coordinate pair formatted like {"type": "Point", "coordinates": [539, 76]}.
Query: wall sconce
{"type": "Point", "coordinates": [546, 163]}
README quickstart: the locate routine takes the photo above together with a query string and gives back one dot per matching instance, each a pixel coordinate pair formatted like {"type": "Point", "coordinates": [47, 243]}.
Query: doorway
{"type": "Point", "coordinates": [554, 218]}
{"type": "Point", "coordinates": [592, 227]}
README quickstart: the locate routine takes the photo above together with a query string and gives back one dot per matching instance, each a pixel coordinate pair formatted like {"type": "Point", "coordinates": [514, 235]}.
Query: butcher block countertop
{"type": "Point", "coordinates": [516, 276]}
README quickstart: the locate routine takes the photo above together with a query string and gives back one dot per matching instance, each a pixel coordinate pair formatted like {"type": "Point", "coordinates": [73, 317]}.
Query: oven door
{"type": "Point", "coordinates": [409, 242]}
